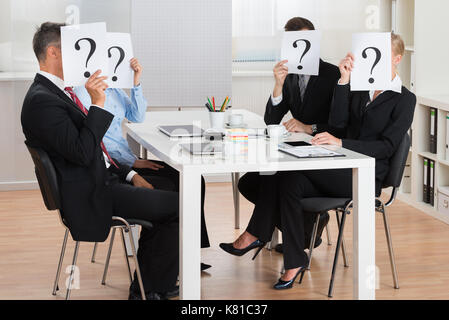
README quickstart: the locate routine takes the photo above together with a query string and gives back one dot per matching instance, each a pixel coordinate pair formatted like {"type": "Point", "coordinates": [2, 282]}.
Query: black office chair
{"type": "Point", "coordinates": [343, 206]}
{"type": "Point", "coordinates": [48, 184]}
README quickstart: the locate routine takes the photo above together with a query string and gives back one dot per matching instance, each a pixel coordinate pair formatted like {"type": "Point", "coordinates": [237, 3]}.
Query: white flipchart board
{"type": "Point", "coordinates": [185, 48]}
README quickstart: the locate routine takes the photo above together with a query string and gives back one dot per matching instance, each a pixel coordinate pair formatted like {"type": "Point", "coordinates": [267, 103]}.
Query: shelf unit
{"type": "Point", "coordinates": [423, 25]}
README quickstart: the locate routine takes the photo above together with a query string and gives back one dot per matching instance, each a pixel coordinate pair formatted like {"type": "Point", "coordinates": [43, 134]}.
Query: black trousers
{"type": "Point", "coordinates": [277, 200]}
{"type": "Point", "coordinates": [168, 178]}
{"type": "Point", "coordinates": [158, 252]}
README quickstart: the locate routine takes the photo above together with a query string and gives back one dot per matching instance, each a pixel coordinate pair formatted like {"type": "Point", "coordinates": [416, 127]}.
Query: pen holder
{"type": "Point", "coordinates": [217, 120]}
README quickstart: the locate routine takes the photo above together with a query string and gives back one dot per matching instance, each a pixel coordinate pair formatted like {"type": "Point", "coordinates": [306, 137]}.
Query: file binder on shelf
{"type": "Point", "coordinates": [425, 195]}
{"type": "Point", "coordinates": [432, 182]}
{"type": "Point", "coordinates": [433, 130]}
{"type": "Point", "coordinates": [447, 136]}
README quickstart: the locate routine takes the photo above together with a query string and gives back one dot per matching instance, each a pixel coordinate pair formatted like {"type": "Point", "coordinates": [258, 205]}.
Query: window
{"type": "Point", "coordinates": [19, 18]}
{"type": "Point", "coordinates": [258, 25]}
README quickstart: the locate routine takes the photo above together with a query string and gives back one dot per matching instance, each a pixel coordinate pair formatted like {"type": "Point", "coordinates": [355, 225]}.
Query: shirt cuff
{"type": "Point", "coordinates": [130, 176]}
{"type": "Point", "coordinates": [276, 100]}
{"type": "Point", "coordinates": [342, 84]}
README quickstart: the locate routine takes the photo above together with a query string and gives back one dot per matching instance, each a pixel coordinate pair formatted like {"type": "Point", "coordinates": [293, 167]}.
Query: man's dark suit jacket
{"type": "Point", "coordinates": [376, 129]}
{"type": "Point", "coordinates": [317, 99]}
{"type": "Point", "coordinates": [53, 122]}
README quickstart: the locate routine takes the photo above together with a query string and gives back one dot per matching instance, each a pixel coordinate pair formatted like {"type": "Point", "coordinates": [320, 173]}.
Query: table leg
{"type": "Point", "coordinates": [364, 234]}
{"type": "Point", "coordinates": [189, 235]}
{"type": "Point", "coordinates": [236, 196]}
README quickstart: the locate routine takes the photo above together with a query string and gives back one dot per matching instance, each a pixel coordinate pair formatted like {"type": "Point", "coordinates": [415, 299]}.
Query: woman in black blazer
{"type": "Point", "coordinates": [375, 123]}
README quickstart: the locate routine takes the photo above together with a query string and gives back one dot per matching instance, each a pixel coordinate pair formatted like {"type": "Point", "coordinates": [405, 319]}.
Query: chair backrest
{"type": "Point", "coordinates": [397, 164]}
{"type": "Point", "coordinates": [46, 176]}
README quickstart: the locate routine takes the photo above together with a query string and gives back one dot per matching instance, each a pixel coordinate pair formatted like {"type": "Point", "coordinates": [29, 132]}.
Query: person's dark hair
{"type": "Point", "coordinates": [298, 23]}
{"type": "Point", "coordinates": [49, 33]}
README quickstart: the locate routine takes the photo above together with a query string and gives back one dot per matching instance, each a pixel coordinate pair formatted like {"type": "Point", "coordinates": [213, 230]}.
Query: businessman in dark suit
{"type": "Point", "coordinates": [94, 187]}
{"type": "Point", "coordinates": [308, 98]}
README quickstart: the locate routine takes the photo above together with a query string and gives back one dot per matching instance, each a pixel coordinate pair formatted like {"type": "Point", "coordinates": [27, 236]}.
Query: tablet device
{"type": "Point", "coordinates": [206, 148]}
{"type": "Point", "coordinates": [182, 131]}
{"type": "Point", "coordinates": [297, 143]}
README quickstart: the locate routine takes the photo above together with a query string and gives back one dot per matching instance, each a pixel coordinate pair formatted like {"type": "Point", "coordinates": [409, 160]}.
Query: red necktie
{"type": "Point", "coordinates": [85, 111]}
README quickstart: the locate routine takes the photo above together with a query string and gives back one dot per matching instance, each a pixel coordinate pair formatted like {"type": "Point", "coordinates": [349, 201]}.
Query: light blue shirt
{"type": "Point", "coordinates": [121, 106]}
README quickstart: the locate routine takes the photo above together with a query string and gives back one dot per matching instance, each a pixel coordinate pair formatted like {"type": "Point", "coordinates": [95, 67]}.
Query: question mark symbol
{"type": "Point", "coordinates": [93, 47]}
{"type": "Point", "coordinates": [376, 61]}
{"type": "Point", "coordinates": [308, 45]}
{"type": "Point", "coordinates": [122, 56]}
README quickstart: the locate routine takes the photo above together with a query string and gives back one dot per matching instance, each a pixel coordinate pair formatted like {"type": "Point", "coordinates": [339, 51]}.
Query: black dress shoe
{"type": "Point", "coordinates": [205, 266]}
{"type": "Point", "coordinates": [282, 284]}
{"type": "Point", "coordinates": [148, 295]}
{"type": "Point", "coordinates": [229, 248]}
{"type": "Point", "coordinates": [170, 294]}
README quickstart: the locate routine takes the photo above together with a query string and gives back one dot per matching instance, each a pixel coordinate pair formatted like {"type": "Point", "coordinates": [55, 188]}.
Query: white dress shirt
{"type": "Point", "coordinates": [277, 100]}
{"type": "Point", "coordinates": [395, 85]}
{"type": "Point", "coordinates": [60, 84]}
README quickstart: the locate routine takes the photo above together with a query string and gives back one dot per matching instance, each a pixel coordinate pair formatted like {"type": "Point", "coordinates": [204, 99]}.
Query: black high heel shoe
{"type": "Point", "coordinates": [229, 248]}
{"type": "Point", "coordinates": [281, 284]}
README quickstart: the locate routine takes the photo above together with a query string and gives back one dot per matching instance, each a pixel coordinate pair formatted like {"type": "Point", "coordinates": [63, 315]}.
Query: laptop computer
{"type": "Point", "coordinates": [205, 148]}
{"type": "Point", "coordinates": [181, 130]}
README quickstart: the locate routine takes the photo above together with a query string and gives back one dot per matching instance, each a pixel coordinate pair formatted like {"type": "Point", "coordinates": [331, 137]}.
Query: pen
{"type": "Point", "coordinates": [210, 103]}
{"type": "Point", "coordinates": [224, 103]}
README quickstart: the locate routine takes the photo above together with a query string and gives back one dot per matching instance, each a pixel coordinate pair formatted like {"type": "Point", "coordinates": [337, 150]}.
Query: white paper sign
{"type": "Point", "coordinates": [84, 51]}
{"type": "Point", "coordinates": [372, 61]}
{"type": "Point", "coordinates": [120, 52]}
{"type": "Point", "coordinates": [302, 50]}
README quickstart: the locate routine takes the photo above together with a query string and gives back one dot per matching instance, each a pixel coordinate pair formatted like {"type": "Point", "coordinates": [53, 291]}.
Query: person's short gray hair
{"type": "Point", "coordinates": [49, 33]}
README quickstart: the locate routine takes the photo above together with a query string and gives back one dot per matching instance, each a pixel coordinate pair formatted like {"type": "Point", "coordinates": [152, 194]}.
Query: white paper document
{"type": "Point", "coordinates": [302, 50]}
{"type": "Point", "coordinates": [309, 152]}
{"type": "Point", "coordinates": [372, 61]}
{"type": "Point", "coordinates": [120, 52]}
{"type": "Point", "coordinates": [84, 51]}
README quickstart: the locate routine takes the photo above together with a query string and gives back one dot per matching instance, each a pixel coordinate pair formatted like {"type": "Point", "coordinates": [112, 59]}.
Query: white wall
{"type": "Point", "coordinates": [432, 47]}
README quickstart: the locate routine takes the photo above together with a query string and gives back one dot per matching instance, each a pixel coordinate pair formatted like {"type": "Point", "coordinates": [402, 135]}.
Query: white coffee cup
{"type": "Point", "coordinates": [235, 119]}
{"type": "Point", "coordinates": [276, 130]}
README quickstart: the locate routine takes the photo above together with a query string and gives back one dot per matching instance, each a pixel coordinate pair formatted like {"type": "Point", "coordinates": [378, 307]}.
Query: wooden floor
{"type": "Point", "coordinates": [31, 237]}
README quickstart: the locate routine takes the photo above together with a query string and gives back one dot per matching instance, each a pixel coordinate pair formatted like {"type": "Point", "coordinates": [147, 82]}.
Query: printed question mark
{"type": "Point", "coordinates": [122, 56]}
{"type": "Point", "coordinates": [295, 45]}
{"type": "Point", "coordinates": [93, 47]}
{"type": "Point", "coordinates": [378, 56]}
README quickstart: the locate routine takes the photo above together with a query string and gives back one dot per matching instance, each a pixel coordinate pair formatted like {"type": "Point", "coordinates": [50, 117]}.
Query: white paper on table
{"type": "Point", "coordinates": [302, 50]}
{"type": "Point", "coordinates": [120, 52]}
{"type": "Point", "coordinates": [83, 50]}
{"type": "Point", "coordinates": [368, 74]}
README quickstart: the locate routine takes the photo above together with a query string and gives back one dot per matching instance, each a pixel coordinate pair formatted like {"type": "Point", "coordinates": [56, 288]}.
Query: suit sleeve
{"type": "Point", "coordinates": [50, 122]}
{"type": "Point", "coordinates": [391, 137]}
{"type": "Point", "coordinates": [122, 170]}
{"type": "Point", "coordinates": [274, 114]}
{"type": "Point", "coordinates": [334, 75]}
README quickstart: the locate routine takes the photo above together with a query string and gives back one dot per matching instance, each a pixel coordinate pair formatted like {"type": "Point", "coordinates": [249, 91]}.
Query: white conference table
{"type": "Point", "coordinates": [261, 156]}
